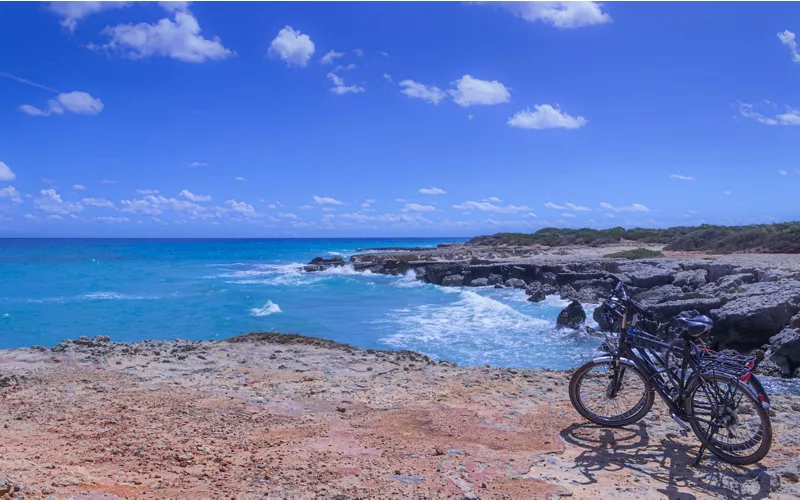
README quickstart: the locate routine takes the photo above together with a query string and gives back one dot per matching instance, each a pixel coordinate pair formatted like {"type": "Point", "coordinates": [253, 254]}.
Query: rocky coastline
{"type": "Point", "coordinates": [266, 415]}
{"type": "Point", "coordinates": [753, 300]}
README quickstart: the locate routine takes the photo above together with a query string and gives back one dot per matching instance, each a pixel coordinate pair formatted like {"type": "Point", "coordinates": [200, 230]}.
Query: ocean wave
{"type": "Point", "coordinates": [268, 308]}
{"type": "Point", "coordinates": [95, 296]}
{"type": "Point", "coordinates": [408, 280]}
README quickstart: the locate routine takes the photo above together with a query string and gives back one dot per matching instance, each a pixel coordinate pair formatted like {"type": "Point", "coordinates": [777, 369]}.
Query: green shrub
{"type": "Point", "coordinates": [636, 253]}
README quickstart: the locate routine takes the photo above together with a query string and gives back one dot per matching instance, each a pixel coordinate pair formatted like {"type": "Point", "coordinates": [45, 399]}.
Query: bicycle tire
{"type": "Point", "coordinates": [726, 451]}
{"type": "Point", "coordinates": [633, 414]}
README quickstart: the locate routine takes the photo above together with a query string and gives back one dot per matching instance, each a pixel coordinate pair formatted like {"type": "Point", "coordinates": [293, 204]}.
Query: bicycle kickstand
{"type": "Point", "coordinates": [699, 456]}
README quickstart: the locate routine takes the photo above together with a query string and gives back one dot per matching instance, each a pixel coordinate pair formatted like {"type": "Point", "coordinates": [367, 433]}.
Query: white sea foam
{"type": "Point", "coordinates": [408, 280]}
{"type": "Point", "coordinates": [268, 308]}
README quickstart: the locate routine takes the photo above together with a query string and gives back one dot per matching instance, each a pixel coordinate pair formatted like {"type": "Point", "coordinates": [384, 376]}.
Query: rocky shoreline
{"type": "Point", "coordinates": [753, 300]}
{"type": "Point", "coordinates": [267, 415]}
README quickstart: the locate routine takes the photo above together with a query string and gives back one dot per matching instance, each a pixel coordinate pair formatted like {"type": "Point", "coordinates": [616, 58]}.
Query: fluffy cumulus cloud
{"type": "Point", "coordinates": [559, 14]}
{"type": "Point", "coordinates": [50, 201]}
{"type": "Point", "coordinates": [340, 88]}
{"type": "Point", "coordinates": [11, 194]}
{"type": "Point", "coordinates": [790, 116]}
{"type": "Point", "coordinates": [79, 187]}
{"type": "Point", "coordinates": [184, 209]}
{"type": "Point", "coordinates": [292, 47]}
{"type": "Point", "coordinates": [681, 177]}
{"type": "Point", "coordinates": [322, 200]}
{"type": "Point", "coordinates": [790, 40]}
{"type": "Point", "coordinates": [6, 174]}
{"type": "Point", "coordinates": [185, 193]}
{"type": "Point", "coordinates": [98, 202]}
{"type": "Point", "coordinates": [432, 190]}
{"type": "Point", "coordinates": [72, 12]}
{"type": "Point", "coordinates": [242, 208]}
{"type": "Point", "coordinates": [546, 116]}
{"type": "Point", "coordinates": [567, 206]}
{"type": "Point", "coordinates": [471, 91]}
{"type": "Point", "coordinates": [330, 56]}
{"type": "Point", "coordinates": [179, 39]}
{"type": "Point", "coordinates": [147, 191]}
{"type": "Point", "coordinates": [416, 207]}
{"type": "Point", "coordinates": [80, 103]}
{"type": "Point", "coordinates": [427, 93]}
{"type": "Point", "coordinates": [635, 207]}
{"type": "Point", "coordinates": [485, 206]}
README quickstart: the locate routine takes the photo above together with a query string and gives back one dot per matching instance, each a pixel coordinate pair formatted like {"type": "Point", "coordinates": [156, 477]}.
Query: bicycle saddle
{"type": "Point", "coordinates": [695, 325]}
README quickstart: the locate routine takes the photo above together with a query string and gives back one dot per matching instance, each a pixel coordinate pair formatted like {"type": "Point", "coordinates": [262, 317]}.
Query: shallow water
{"type": "Point", "coordinates": [203, 289]}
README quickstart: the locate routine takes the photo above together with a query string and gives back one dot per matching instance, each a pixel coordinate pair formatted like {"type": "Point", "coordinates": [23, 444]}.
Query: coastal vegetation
{"type": "Point", "coordinates": [636, 253]}
{"type": "Point", "coordinates": [757, 238]}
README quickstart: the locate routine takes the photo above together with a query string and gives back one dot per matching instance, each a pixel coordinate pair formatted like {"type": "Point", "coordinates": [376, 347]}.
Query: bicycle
{"type": "Point", "coordinates": [713, 394]}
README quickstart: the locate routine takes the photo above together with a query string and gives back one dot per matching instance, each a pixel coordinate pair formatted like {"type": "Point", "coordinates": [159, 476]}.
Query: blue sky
{"type": "Point", "coordinates": [395, 119]}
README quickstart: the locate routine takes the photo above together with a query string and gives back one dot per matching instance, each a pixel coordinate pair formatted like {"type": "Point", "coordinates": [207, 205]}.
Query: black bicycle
{"type": "Point", "coordinates": [713, 394]}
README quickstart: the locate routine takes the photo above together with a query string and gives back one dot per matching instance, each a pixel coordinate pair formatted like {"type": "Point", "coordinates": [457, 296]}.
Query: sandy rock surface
{"type": "Point", "coordinates": [297, 418]}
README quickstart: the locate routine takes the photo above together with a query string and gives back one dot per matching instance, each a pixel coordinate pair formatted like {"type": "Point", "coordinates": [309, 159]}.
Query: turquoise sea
{"type": "Point", "coordinates": [51, 289]}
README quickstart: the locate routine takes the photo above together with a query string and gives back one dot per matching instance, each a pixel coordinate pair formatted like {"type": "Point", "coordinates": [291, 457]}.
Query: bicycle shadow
{"type": "Point", "coordinates": [666, 461]}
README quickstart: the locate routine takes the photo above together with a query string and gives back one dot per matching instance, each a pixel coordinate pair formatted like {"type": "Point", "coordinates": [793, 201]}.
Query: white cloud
{"type": "Point", "coordinates": [416, 207]}
{"type": "Point", "coordinates": [306, 207]}
{"type": "Point", "coordinates": [345, 68]}
{"type": "Point", "coordinates": [173, 6]}
{"type": "Point", "coordinates": [196, 164]}
{"type": "Point", "coordinates": [327, 201]}
{"type": "Point", "coordinates": [288, 216]}
{"type": "Point", "coordinates": [98, 202]}
{"type": "Point", "coordinates": [340, 88]}
{"type": "Point", "coordinates": [726, 193]}
{"type": "Point", "coordinates": [790, 117]}
{"type": "Point", "coordinates": [79, 187]}
{"type": "Point", "coordinates": [180, 40]}
{"type": "Point", "coordinates": [6, 174]}
{"type": "Point", "coordinates": [240, 179]}
{"type": "Point", "coordinates": [50, 201]}
{"type": "Point", "coordinates": [112, 219]}
{"type": "Point", "coordinates": [330, 56]}
{"type": "Point", "coordinates": [72, 12]}
{"type": "Point", "coordinates": [530, 214]}
{"type": "Point", "coordinates": [147, 191]}
{"type": "Point", "coordinates": [493, 199]}
{"type": "Point", "coordinates": [388, 77]}
{"type": "Point", "coordinates": [471, 91]}
{"type": "Point", "coordinates": [567, 206]}
{"type": "Point", "coordinates": [546, 116]}
{"type": "Point", "coordinates": [559, 14]}
{"type": "Point", "coordinates": [358, 52]}
{"type": "Point", "coordinates": [635, 207]}
{"type": "Point", "coordinates": [156, 205]}
{"type": "Point", "coordinates": [789, 39]}
{"type": "Point", "coordinates": [783, 172]}
{"type": "Point", "coordinates": [401, 200]}
{"type": "Point", "coordinates": [185, 193]}
{"type": "Point", "coordinates": [567, 215]}
{"type": "Point", "coordinates": [432, 190]}
{"type": "Point", "coordinates": [11, 194]}
{"type": "Point", "coordinates": [427, 93]}
{"type": "Point", "coordinates": [80, 103]}
{"type": "Point", "coordinates": [292, 47]}
{"type": "Point", "coordinates": [679, 177]}
{"type": "Point", "coordinates": [488, 207]}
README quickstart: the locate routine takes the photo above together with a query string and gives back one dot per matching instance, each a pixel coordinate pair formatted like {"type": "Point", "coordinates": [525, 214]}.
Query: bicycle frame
{"type": "Point", "coordinates": [638, 348]}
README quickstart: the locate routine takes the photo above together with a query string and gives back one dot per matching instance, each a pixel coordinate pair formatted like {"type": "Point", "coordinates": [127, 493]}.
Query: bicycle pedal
{"type": "Point", "coordinates": [684, 433]}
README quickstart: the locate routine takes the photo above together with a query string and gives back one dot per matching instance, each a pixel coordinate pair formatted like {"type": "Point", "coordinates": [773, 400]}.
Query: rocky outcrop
{"type": "Point", "coordinates": [750, 305]}
{"type": "Point", "coordinates": [320, 264]}
{"type": "Point", "coordinates": [784, 351]}
{"type": "Point", "coordinates": [756, 313]}
{"type": "Point", "coordinates": [571, 316]}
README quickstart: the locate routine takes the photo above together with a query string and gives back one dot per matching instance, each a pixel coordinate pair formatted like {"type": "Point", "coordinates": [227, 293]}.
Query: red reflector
{"type": "Point", "coordinates": [760, 398]}
{"type": "Point", "coordinates": [750, 364]}
{"type": "Point", "coordinates": [745, 377]}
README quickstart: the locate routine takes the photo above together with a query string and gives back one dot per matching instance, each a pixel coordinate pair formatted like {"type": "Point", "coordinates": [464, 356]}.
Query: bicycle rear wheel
{"type": "Point", "coordinates": [728, 419]}
{"type": "Point", "coordinates": [610, 396]}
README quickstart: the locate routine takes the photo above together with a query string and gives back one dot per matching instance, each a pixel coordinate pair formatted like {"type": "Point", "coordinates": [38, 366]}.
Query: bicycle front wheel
{"type": "Point", "coordinates": [727, 418]}
{"type": "Point", "coordinates": [609, 395]}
